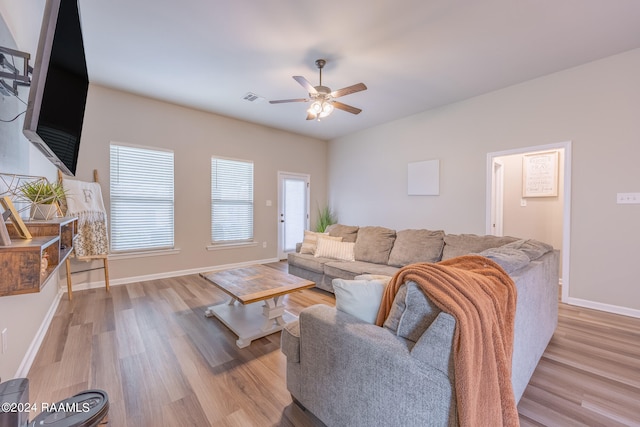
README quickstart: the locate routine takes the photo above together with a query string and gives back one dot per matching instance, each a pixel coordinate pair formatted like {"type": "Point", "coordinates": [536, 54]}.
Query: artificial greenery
{"type": "Point", "coordinates": [43, 192]}
{"type": "Point", "coordinates": [326, 217]}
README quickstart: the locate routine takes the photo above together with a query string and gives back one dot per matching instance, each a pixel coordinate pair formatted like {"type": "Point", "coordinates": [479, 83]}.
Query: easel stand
{"type": "Point", "coordinates": [104, 258]}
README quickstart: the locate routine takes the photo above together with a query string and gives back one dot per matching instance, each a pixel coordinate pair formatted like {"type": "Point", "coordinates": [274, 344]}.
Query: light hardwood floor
{"type": "Point", "coordinates": [163, 363]}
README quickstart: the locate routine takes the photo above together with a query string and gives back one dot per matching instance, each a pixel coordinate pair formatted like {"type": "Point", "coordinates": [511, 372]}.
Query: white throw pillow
{"type": "Point", "coordinates": [359, 298]}
{"type": "Point", "coordinates": [335, 249]}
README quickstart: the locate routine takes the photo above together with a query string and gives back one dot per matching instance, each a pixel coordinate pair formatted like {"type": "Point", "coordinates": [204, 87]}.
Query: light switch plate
{"type": "Point", "coordinates": [628, 198]}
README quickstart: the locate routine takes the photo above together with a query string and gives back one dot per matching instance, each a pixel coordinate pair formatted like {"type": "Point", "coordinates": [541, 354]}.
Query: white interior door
{"type": "Point", "coordinates": [293, 211]}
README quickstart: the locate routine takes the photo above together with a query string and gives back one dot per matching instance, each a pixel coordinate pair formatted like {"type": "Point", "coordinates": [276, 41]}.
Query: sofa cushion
{"type": "Point", "coordinates": [307, 262]}
{"type": "Point", "coordinates": [532, 248]}
{"type": "Point", "coordinates": [311, 241]}
{"type": "Point", "coordinates": [464, 244]}
{"type": "Point", "coordinates": [374, 244]}
{"type": "Point", "coordinates": [349, 270]}
{"type": "Point", "coordinates": [413, 246]}
{"type": "Point", "coordinates": [360, 298]}
{"type": "Point", "coordinates": [411, 313]}
{"type": "Point", "coordinates": [328, 247]}
{"type": "Point", "coordinates": [509, 258]}
{"type": "Point", "coordinates": [347, 232]}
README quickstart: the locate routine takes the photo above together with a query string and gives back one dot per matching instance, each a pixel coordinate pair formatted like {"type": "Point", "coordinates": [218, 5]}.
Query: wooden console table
{"type": "Point", "coordinates": [22, 260]}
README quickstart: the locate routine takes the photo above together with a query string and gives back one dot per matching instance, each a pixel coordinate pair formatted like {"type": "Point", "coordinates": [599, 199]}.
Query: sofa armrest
{"type": "Point", "coordinates": [342, 357]}
{"type": "Point", "coordinates": [290, 341]}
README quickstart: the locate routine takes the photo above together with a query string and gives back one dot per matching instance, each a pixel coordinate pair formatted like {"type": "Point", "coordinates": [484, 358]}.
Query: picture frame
{"type": "Point", "coordinates": [540, 174]}
{"type": "Point", "coordinates": [22, 229]}
{"type": "Point", "coordinates": [423, 178]}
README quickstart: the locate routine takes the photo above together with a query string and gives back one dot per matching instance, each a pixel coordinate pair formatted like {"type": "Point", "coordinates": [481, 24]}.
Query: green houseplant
{"type": "Point", "coordinates": [45, 198]}
{"type": "Point", "coordinates": [326, 217]}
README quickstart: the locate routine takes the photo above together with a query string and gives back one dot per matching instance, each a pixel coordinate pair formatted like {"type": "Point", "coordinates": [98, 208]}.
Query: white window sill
{"type": "Point", "coordinates": [143, 254]}
{"type": "Point", "coordinates": [222, 246]}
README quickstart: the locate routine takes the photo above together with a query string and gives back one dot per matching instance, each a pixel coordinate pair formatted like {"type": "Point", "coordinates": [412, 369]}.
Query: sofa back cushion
{"type": "Point", "coordinates": [413, 246]}
{"type": "Point", "coordinates": [411, 313]}
{"type": "Point", "coordinates": [464, 244]}
{"type": "Point", "coordinates": [374, 244]}
{"type": "Point", "coordinates": [348, 233]}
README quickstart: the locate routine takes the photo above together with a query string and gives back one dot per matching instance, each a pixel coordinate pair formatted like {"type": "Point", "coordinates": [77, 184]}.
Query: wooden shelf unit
{"type": "Point", "coordinates": [21, 261]}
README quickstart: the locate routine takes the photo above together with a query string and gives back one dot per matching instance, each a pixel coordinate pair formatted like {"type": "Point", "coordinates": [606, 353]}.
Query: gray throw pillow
{"type": "Point", "coordinates": [411, 313]}
{"type": "Point", "coordinates": [413, 246]}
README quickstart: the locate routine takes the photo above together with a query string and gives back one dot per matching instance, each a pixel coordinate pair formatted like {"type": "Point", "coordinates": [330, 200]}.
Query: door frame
{"type": "Point", "coordinates": [281, 176]}
{"type": "Point", "coordinates": [566, 210]}
{"type": "Point", "coordinates": [497, 198]}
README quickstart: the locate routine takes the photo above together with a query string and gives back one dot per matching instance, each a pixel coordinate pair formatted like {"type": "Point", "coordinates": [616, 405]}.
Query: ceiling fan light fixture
{"type": "Point", "coordinates": [320, 108]}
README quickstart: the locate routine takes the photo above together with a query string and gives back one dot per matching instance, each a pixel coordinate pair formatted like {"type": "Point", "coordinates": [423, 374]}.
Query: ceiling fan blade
{"type": "Point", "coordinates": [305, 84]}
{"type": "Point", "coordinates": [281, 101]}
{"type": "Point", "coordinates": [345, 107]}
{"type": "Point", "coordinates": [348, 90]}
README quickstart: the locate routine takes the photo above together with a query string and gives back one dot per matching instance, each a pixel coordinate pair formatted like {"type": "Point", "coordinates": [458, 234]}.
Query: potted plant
{"type": "Point", "coordinates": [326, 217]}
{"type": "Point", "coordinates": [45, 198]}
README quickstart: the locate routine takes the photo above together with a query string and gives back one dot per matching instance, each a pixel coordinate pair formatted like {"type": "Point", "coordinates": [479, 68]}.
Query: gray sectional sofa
{"type": "Point", "coordinates": [348, 372]}
{"type": "Point", "coordinates": [380, 250]}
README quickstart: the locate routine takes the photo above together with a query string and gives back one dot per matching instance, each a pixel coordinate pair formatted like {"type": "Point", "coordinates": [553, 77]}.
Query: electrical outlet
{"type": "Point", "coordinates": [3, 338]}
{"type": "Point", "coordinates": [264, 244]}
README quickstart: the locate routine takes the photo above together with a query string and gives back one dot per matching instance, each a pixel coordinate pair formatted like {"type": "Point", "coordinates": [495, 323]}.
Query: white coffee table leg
{"type": "Point", "coordinates": [209, 311]}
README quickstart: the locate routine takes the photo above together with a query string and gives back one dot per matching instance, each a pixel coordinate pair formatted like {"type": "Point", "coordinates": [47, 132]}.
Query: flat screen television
{"type": "Point", "coordinates": [55, 111]}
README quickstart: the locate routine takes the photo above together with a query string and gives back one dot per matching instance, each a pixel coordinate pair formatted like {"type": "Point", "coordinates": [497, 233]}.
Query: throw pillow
{"type": "Point", "coordinates": [412, 313]}
{"type": "Point", "coordinates": [413, 246]}
{"type": "Point", "coordinates": [335, 249]}
{"type": "Point", "coordinates": [311, 240]}
{"type": "Point", "coordinates": [359, 298]}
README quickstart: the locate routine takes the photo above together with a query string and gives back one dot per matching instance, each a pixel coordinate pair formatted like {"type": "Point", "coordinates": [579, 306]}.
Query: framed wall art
{"type": "Point", "coordinates": [540, 174]}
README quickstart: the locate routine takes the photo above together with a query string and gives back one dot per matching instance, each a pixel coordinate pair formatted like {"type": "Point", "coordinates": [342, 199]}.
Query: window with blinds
{"type": "Point", "coordinates": [231, 201]}
{"type": "Point", "coordinates": [141, 199]}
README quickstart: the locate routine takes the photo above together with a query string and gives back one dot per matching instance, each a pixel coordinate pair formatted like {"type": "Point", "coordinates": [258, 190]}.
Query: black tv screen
{"type": "Point", "coordinates": [58, 93]}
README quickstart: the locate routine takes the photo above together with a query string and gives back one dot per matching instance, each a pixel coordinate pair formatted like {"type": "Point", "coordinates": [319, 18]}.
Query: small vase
{"type": "Point", "coordinates": [44, 212]}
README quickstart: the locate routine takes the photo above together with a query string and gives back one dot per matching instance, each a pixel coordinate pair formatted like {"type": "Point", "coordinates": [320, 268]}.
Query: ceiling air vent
{"type": "Point", "coordinates": [252, 97]}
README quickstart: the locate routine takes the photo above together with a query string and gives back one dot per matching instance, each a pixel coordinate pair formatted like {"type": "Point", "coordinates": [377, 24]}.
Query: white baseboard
{"type": "Point", "coordinates": [32, 351]}
{"type": "Point", "coordinates": [609, 308]}
{"type": "Point", "coordinates": [168, 274]}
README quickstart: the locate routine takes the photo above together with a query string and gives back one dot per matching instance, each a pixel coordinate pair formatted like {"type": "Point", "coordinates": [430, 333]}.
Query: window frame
{"type": "Point", "coordinates": [232, 243]}
{"type": "Point", "coordinates": [116, 198]}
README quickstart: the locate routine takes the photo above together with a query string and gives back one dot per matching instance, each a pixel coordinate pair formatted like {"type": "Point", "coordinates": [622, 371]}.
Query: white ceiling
{"type": "Point", "coordinates": [412, 54]}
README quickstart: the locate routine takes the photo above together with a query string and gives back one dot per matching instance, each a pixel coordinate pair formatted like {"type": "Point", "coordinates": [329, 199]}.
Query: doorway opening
{"type": "Point", "coordinates": [547, 219]}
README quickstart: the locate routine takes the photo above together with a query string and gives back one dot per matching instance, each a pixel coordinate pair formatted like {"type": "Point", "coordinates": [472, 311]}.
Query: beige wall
{"type": "Point", "coordinates": [596, 106]}
{"type": "Point", "coordinates": [21, 315]}
{"type": "Point", "coordinates": [195, 136]}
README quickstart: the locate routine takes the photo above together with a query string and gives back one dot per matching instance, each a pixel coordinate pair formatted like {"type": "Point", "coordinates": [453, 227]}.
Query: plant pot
{"type": "Point", "coordinates": [44, 212]}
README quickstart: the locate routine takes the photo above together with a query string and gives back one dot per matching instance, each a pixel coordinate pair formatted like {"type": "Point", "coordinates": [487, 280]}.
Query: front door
{"type": "Point", "coordinates": [293, 211]}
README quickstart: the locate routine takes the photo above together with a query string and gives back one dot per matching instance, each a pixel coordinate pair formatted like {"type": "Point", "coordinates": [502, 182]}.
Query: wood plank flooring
{"type": "Point", "coordinates": [163, 363]}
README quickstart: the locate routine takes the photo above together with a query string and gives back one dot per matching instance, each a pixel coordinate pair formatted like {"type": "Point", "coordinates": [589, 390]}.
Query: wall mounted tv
{"type": "Point", "coordinates": [58, 94]}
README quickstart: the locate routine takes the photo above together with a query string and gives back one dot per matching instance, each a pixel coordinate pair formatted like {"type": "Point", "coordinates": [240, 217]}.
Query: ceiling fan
{"type": "Point", "coordinates": [323, 98]}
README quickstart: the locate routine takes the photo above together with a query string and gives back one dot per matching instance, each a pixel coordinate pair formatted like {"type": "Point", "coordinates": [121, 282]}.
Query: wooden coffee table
{"type": "Point", "coordinates": [246, 286]}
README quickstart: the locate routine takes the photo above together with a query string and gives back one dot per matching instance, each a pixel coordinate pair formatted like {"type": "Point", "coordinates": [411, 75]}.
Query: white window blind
{"type": "Point", "coordinates": [231, 201]}
{"type": "Point", "coordinates": [141, 199]}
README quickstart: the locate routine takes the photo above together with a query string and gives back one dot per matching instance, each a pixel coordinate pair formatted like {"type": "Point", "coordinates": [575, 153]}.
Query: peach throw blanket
{"type": "Point", "coordinates": [482, 298]}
